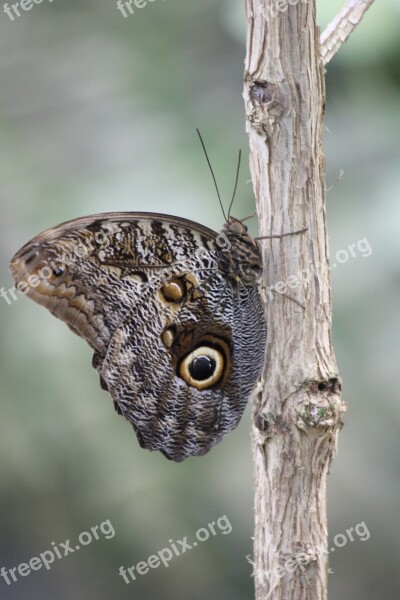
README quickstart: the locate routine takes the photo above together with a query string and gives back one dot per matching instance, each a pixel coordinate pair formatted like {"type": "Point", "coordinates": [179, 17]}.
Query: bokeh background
{"type": "Point", "coordinates": [98, 113]}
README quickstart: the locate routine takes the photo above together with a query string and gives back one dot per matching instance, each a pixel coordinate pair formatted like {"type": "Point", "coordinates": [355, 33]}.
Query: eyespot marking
{"type": "Point", "coordinates": [168, 337]}
{"type": "Point", "coordinates": [204, 366]}
{"type": "Point", "coordinates": [174, 290]}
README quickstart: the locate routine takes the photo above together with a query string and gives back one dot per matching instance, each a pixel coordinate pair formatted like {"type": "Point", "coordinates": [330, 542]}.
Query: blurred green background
{"type": "Point", "coordinates": [98, 113]}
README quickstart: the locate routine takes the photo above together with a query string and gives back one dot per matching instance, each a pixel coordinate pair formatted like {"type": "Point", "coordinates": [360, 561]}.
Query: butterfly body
{"type": "Point", "coordinates": [171, 310]}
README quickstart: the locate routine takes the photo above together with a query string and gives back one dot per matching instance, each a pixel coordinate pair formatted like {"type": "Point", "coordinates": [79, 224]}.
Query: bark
{"type": "Point", "coordinates": [298, 409]}
{"type": "Point", "coordinates": [342, 26]}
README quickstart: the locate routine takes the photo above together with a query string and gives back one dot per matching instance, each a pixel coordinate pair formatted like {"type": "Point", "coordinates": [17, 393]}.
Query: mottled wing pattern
{"type": "Point", "coordinates": [151, 293]}
{"type": "Point", "coordinates": [168, 414]}
{"type": "Point", "coordinates": [88, 271]}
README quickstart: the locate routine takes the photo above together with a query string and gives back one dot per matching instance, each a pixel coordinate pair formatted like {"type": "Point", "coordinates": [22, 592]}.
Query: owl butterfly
{"type": "Point", "coordinates": [171, 310]}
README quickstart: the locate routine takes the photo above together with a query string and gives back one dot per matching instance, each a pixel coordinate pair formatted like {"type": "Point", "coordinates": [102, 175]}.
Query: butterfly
{"type": "Point", "coordinates": [171, 310]}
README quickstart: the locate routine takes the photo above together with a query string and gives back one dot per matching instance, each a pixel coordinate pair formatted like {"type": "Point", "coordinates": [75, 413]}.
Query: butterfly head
{"type": "Point", "coordinates": [242, 254]}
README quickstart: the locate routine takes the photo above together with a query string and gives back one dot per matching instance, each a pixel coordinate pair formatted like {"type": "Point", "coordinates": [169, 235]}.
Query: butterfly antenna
{"type": "Point", "coordinates": [212, 173]}
{"type": "Point", "coordinates": [253, 214]}
{"type": "Point", "coordinates": [236, 183]}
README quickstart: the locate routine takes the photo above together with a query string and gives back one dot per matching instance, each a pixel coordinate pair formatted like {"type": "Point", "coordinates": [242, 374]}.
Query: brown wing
{"type": "Point", "coordinates": [89, 271]}
{"type": "Point", "coordinates": [103, 275]}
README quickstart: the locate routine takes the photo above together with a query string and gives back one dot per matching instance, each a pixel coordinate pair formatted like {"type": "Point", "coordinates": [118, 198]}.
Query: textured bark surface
{"type": "Point", "coordinates": [298, 411]}
{"type": "Point", "coordinates": [342, 26]}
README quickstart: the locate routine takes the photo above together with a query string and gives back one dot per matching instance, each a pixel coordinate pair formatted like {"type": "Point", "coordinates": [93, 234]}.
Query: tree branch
{"type": "Point", "coordinates": [297, 413]}
{"type": "Point", "coordinates": [342, 26]}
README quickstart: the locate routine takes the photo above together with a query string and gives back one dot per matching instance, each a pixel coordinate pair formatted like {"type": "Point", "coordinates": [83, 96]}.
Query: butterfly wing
{"type": "Point", "coordinates": [87, 271]}
{"type": "Point", "coordinates": [184, 412]}
{"type": "Point", "coordinates": [177, 344]}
